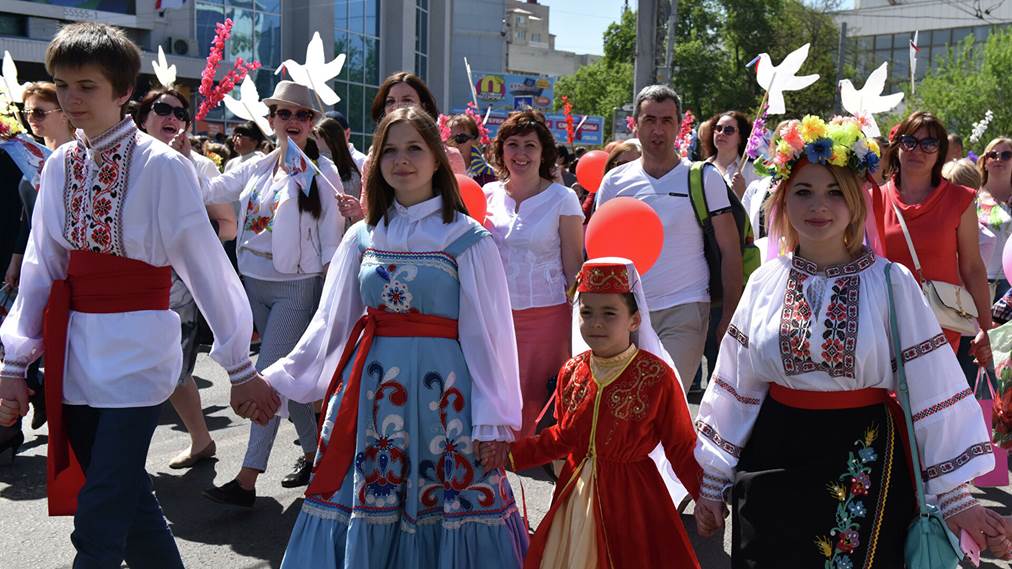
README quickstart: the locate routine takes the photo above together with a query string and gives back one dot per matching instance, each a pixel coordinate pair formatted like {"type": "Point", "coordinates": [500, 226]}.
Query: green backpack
{"type": "Point", "coordinates": [749, 252]}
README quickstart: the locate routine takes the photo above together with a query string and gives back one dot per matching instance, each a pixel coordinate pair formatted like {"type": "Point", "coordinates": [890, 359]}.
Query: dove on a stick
{"type": "Point", "coordinates": [784, 77]}
{"type": "Point", "coordinates": [316, 71]}
{"type": "Point", "coordinates": [9, 79]}
{"type": "Point", "coordinates": [165, 73]}
{"type": "Point", "coordinates": [869, 100]}
{"type": "Point", "coordinates": [249, 106]}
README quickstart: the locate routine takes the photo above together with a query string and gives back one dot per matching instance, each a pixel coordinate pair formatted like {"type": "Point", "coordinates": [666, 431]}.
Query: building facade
{"type": "Point", "coordinates": [479, 34]}
{"type": "Point", "coordinates": [881, 30]}
{"type": "Point", "coordinates": [531, 47]}
{"type": "Point", "coordinates": [380, 37]}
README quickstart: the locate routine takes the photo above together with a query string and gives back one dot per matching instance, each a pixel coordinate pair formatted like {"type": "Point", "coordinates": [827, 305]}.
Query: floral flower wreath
{"type": "Point", "coordinates": [838, 143]}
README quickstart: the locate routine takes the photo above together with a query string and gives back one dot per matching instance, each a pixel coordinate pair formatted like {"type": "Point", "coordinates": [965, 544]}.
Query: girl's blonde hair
{"type": "Point", "coordinates": [982, 161]}
{"type": "Point", "coordinates": [962, 172]}
{"type": "Point", "coordinates": [853, 193]}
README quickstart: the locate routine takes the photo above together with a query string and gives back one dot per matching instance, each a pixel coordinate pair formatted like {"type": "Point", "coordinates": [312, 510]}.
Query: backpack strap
{"type": "Point", "coordinates": [473, 234]}
{"type": "Point", "coordinates": [697, 193]}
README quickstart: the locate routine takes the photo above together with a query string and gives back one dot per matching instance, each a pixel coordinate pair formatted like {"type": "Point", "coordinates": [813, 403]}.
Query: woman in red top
{"type": "Point", "coordinates": [940, 216]}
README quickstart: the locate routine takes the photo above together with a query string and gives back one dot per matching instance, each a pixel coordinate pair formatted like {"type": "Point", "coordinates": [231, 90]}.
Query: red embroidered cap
{"type": "Point", "coordinates": [603, 277]}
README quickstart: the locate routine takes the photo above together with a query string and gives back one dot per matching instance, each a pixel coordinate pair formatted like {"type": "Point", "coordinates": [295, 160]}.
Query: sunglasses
{"type": "Point", "coordinates": [1004, 155]}
{"type": "Point", "coordinates": [300, 115]}
{"type": "Point", "coordinates": [165, 109]}
{"type": "Point", "coordinates": [724, 129]}
{"type": "Point", "coordinates": [39, 114]}
{"type": "Point", "coordinates": [462, 138]}
{"type": "Point", "coordinates": [928, 145]}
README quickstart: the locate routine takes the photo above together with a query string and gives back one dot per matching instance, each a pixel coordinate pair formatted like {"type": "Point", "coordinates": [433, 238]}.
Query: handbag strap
{"type": "Point", "coordinates": [903, 394]}
{"type": "Point", "coordinates": [910, 243]}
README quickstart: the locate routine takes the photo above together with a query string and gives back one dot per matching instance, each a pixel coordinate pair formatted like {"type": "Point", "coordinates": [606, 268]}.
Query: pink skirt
{"type": "Point", "coordinates": [544, 345]}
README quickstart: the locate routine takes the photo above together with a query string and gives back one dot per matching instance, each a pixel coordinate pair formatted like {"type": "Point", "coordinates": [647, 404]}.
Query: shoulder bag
{"type": "Point", "coordinates": [929, 544]}
{"type": "Point", "coordinates": [952, 304]}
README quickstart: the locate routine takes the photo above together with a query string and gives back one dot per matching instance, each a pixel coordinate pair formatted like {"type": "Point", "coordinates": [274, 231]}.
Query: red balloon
{"type": "Point", "coordinates": [626, 227]}
{"type": "Point", "coordinates": [590, 169]}
{"type": "Point", "coordinates": [474, 198]}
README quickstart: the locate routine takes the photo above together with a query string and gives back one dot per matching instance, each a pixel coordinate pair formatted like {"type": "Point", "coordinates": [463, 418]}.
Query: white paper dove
{"type": "Point", "coordinates": [783, 77]}
{"type": "Point", "coordinates": [9, 80]}
{"type": "Point", "coordinates": [869, 100]}
{"type": "Point", "coordinates": [165, 73]}
{"type": "Point", "coordinates": [316, 71]}
{"type": "Point", "coordinates": [248, 106]}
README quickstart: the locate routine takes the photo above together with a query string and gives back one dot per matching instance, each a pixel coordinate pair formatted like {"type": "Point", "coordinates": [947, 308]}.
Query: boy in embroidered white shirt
{"type": "Point", "coordinates": [117, 211]}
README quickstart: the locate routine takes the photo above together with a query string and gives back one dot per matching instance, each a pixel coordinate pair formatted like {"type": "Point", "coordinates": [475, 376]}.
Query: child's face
{"type": "Point", "coordinates": [88, 99]}
{"type": "Point", "coordinates": [408, 164]}
{"type": "Point", "coordinates": [606, 323]}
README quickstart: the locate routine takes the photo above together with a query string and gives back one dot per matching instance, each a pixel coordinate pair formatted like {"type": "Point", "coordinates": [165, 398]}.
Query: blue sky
{"type": "Point", "coordinates": [579, 24]}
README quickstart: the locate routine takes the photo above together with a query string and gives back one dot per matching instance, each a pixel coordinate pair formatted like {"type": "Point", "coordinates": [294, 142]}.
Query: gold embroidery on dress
{"type": "Point", "coordinates": [576, 390]}
{"type": "Point", "coordinates": [630, 399]}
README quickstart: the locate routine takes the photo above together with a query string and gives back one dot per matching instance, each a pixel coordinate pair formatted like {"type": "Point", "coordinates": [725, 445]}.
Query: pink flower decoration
{"type": "Point", "coordinates": [444, 131]}
{"type": "Point", "coordinates": [792, 135]}
{"type": "Point", "coordinates": [472, 111]}
{"type": "Point", "coordinates": [213, 95]}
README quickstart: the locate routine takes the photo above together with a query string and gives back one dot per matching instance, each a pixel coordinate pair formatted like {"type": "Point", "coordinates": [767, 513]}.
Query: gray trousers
{"type": "Point", "coordinates": [281, 312]}
{"type": "Point", "coordinates": [682, 330]}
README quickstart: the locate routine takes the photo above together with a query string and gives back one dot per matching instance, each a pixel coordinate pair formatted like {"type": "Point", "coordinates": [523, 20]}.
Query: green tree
{"type": "Point", "coordinates": [620, 39]}
{"type": "Point", "coordinates": [972, 79]}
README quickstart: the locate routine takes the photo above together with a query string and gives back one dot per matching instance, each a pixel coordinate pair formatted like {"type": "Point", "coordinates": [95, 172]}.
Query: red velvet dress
{"type": "Point", "coordinates": [635, 524]}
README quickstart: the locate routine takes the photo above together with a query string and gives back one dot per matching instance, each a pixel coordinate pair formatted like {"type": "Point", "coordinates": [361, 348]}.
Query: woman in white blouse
{"type": "Point", "coordinates": [798, 429]}
{"type": "Point", "coordinates": [538, 226]}
{"type": "Point", "coordinates": [289, 228]}
{"type": "Point", "coordinates": [730, 135]}
{"type": "Point", "coordinates": [164, 114]}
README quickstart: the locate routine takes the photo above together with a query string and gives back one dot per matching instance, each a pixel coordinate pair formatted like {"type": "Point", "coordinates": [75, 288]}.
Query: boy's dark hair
{"type": "Point", "coordinates": [103, 45]}
{"type": "Point", "coordinates": [630, 301]}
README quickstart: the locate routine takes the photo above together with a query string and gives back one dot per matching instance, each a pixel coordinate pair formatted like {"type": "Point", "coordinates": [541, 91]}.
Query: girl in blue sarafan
{"type": "Point", "coordinates": [413, 351]}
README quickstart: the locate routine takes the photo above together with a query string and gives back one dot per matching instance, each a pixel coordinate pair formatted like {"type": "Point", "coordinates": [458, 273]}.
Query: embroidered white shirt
{"type": "Point", "coordinates": [276, 241]}
{"type": "Point", "coordinates": [830, 332]}
{"type": "Point", "coordinates": [485, 324]}
{"type": "Point", "coordinates": [529, 242]}
{"type": "Point", "coordinates": [143, 203]}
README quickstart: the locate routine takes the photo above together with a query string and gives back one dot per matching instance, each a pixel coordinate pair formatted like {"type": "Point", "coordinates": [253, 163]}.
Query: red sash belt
{"type": "Point", "coordinates": [100, 284]}
{"type": "Point", "coordinates": [339, 451]}
{"type": "Point", "coordinates": [828, 399]}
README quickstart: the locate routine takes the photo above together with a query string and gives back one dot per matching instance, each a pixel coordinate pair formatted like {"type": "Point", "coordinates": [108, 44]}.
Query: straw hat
{"type": "Point", "coordinates": [292, 93]}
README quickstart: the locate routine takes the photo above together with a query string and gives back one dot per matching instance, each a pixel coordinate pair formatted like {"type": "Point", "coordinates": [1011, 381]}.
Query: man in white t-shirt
{"type": "Point", "coordinates": [676, 286]}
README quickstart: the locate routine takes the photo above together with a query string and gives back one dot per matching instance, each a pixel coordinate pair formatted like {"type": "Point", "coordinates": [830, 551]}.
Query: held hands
{"type": "Point", "coordinates": [255, 400]}
{"type": "Point", "coordinates": [492, 454]}
{"type": "Point", "coordinates": [1001, 545]}
{"type": "Point", "coordinates": [14, 394]}
{"type": "Point", "coordinates": [710, 516]}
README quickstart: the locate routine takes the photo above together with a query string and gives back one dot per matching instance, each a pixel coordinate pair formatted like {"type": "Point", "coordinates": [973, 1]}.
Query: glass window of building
{"type": "Point", "coordinates": [256, 35]}
{"type": "Point", "coordinates": [422, 38]}
{"type": "Point", "coordinates": [356, 34]}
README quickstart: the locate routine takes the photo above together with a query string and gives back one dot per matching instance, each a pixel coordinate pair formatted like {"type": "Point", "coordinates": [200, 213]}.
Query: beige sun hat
{"type": "Point", "coordinates": [292, 93]}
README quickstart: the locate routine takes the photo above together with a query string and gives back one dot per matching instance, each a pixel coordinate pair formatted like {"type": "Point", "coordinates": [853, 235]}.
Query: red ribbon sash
{"type": "Point", "coordinates": [95, 283]}
{"type": "Point", "coordinates": [340, 450]}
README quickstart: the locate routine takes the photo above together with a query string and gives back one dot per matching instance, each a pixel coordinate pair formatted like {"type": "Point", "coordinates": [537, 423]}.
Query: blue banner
{"type": "Point", "coordinates": [590, 134]}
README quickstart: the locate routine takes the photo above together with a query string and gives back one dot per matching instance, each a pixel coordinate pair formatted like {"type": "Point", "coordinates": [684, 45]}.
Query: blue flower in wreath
{"type": "Point", "coordinates": [857, 509]}
{"type": "Point", "coordinates": [844, 562]}
{"type": "Point", "coordinates": [819, 151]}
{"type": "Point", "coordinates": [867, 454]}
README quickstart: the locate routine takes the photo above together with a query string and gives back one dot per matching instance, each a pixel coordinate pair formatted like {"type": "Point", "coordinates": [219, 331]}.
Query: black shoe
{"type": "Point", "coordinates": [299, 475]}
{"type": "Point", "coordinates": [231, 494]}
{"type": "Point", "coordinates": [38, 402]}
{"type": "Point", "coordinates": [11, 438]}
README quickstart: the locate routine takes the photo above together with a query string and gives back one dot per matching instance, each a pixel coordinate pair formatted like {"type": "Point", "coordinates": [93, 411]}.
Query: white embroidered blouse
{"type": "Point", "coordinates": [529, 242]}
{"type": "Point", "coordinates": [485, 324]}
{"type": "Point", "coordinates": [829, 331]}
{"type": "Point", "coordinates": [141, 202]}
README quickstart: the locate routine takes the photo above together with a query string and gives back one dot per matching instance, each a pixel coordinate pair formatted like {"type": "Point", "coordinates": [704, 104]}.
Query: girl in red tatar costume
{"type": "Point", "coordinates": [614, 404]}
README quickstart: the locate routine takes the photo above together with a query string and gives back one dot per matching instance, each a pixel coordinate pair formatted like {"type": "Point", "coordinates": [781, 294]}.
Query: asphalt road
{"type": "Point", "coordinates": [211, 535]}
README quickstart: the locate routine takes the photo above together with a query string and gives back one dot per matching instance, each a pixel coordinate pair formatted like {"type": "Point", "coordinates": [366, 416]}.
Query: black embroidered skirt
{"type": "Point", "coordinates": [822, 489]}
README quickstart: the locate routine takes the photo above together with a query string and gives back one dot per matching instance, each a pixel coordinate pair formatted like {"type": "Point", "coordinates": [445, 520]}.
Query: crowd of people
{"type": "Point", "coordinates": [416, 349]}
